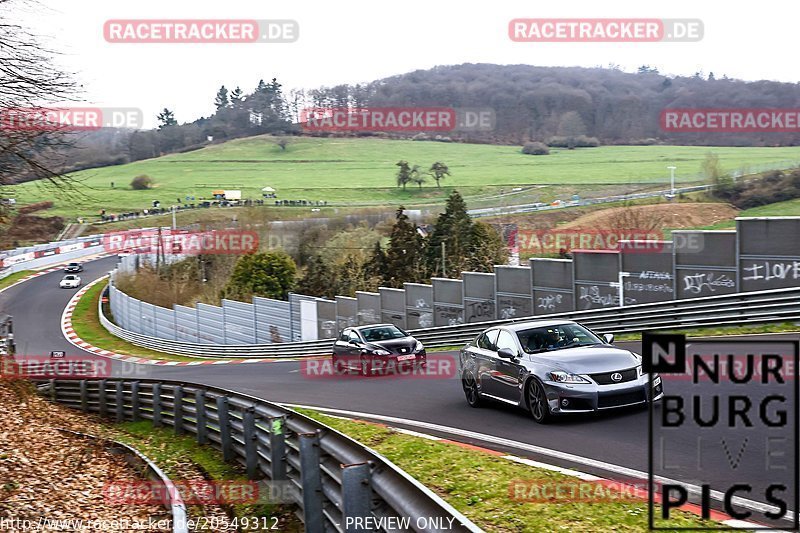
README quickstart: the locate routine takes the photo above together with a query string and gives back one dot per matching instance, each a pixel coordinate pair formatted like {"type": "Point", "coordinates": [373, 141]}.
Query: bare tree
{"type": "Point", "coordinates": [29, 81]}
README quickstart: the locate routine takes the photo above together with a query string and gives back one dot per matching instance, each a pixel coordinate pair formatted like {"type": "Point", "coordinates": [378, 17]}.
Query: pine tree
{"type": "Point", "coordinates": [453, 228]}
{"type": "Point", "coordinates": [319, 279]}
{"type": "Point", "coordinates": [405, 253]}
{"type": "Point", "coordinates": [166, 118]}
{"type": "Point", "coordinates": [221, 101]}
{"type": "Point", "coordinates": [376, 264]}
{"type": "Point", "coordinates": [237, 98]}
{"type": "Point", "coordinates": [486, 248]}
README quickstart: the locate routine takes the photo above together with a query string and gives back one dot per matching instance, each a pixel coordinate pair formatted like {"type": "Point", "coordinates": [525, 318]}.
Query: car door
{"type": "Point", "coordinates": [355, 344]}
{"type": "Point", "coordinates": [483, 355]}
{"type": "Point", "coordinates": [506, 373]}
{"type": "Point", "coordinates": [340, 347]}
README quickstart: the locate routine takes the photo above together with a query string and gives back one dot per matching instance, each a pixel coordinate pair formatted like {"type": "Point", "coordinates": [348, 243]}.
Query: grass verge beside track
{"type": "Point", "coordinates": [15, 277]}
{"type": "Point", "coordinates": [172, 453]}
{"type": "Point", "coordinates": [478, 485]}
{"type": "Point", "coordinates": [86, 323]}
{"type": "Point", "coordinates": [786, 327]}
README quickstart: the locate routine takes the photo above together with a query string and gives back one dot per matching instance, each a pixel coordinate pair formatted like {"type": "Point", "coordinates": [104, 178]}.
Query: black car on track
{"type": "Point", "coordinates": [375, 349]}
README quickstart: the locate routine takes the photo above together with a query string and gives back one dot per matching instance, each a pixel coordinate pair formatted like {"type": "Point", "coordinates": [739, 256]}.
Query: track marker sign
{"type": "Point", "coordinates": [725, 434]}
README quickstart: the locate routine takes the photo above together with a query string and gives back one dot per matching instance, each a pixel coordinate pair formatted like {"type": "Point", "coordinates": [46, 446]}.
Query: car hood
{"type": "Point", "coordinates": [396, 345]}
{"type": "Point", "coordinates": [589, 359]}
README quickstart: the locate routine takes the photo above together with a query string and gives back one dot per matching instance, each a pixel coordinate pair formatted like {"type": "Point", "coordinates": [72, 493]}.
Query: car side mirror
{"type": "Point", "coordinates": [506, 353]}
{"type": "Point", "coordinates": [353, 342]}
{"type": "Point", "coordinates": [609, 337]}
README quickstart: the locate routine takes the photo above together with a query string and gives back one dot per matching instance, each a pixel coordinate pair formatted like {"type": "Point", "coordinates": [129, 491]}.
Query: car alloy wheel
{"type": "Point", "coordinates": [537, 401]}
{"type": "Point", "coordinates": [471, 391]}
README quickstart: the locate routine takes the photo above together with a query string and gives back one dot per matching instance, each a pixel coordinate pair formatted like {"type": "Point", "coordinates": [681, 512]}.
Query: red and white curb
{"type": "Point", "coordinates": [638, 492]}
{"type": "Point", "coordinates": [75, 340]}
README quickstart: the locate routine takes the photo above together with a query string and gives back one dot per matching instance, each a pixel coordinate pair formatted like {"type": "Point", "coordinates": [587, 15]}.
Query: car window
{"type": "Point", "coordinates": [345, 335]}
{"type": "Point", "coordinates": [486, 340]}
{"type": "Point", "coordinates": [506, 340]}
{"type": "Point", "coordinates": [547, 338]}
{"type": "Point", "coordinates": [382, 333]}
{"type": "Point", "coordinates": [354, 336]}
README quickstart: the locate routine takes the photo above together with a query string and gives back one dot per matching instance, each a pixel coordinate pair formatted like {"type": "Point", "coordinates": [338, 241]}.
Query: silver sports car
{"type": "Point", "coordinates": [553, 367]}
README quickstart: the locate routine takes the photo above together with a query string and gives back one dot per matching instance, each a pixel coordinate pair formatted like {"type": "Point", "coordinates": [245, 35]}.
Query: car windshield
{"type": "Point", "coordinates": [548, 338]}
{"type": "Point", "coordinates": [69, 277]}
{"type": "Point", "coordinates": [382, 333]}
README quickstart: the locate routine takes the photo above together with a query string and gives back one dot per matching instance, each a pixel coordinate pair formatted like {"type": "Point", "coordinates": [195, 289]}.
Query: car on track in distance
{"type": "Point", "coordinates": [553, 367]}
{"type": "Point", "coordinates": [377, 348]}
{"type": "Point", "coordinates": [70, 281]}
{"type": "Point", "coordinates": [73, 267]}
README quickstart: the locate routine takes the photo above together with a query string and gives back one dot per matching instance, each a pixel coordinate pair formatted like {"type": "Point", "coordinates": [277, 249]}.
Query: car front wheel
{"type": "Point", "coordinates": [537, 402]}
{"type": "Point", "coordinates": [471, 391]}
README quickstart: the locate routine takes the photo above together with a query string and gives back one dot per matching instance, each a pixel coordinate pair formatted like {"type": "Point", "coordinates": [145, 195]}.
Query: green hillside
{"type": "Point", "coordinates": [362, 171]}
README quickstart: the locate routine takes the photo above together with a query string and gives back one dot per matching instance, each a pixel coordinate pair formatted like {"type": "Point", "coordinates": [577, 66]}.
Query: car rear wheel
{"type": "Point", "coordinates": [537, 402]}
{"type": "Point", "coordinates": [471, 391]}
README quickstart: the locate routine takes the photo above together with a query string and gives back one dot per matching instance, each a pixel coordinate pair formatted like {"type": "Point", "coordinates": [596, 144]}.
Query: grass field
{"type": "Point", "coordinates": [788, 208]}
{"type": "Point", "coordinates": [362, 171]}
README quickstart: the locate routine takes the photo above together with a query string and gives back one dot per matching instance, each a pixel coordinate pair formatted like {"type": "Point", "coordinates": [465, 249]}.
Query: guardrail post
{"type": "Point", "coordinates": [84, 396]}
{"type": "Point", "coordinates": [200, 416]}
{"type": "Point", "coordinates": [311, 482]}
{"type": "Point", "coordinates": [119, 408]}
{"type": "Point", "coordinates": [135, 410]}
{"type": "Point", "coordinates": [157, 405]}
{"type": "Point", "coordinates": [101, 397]}
{"type": "Point", "coordinates": [53, 390]}
{"type": "Point", "coordinates": [277, 448]}
{"type": "Point", "coordinates": [223, 417]}
{"type": "Point", "coordinates": [356, 494]}
{"type": "Point", "coordinates": [250, 442]}
{"type": "Point", "coordinates": [177, 409]}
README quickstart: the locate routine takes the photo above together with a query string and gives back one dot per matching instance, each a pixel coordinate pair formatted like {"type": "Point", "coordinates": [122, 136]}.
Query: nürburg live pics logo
{"type": "Point", "coordinates": [724, 436]}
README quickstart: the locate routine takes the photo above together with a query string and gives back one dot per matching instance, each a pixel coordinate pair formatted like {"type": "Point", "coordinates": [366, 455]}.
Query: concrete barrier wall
{"type": "Point", "coordinates": [762, 253]}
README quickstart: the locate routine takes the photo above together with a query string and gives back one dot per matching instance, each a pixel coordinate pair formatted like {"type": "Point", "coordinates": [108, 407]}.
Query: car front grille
{"type": "Point", "coordinates": [605, 377]}
{"type": "Point", "coordinates": [615, 399]}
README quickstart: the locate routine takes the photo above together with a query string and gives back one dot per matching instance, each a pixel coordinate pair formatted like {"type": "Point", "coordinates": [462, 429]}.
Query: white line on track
{"type": "Point", "coordinates": [556, 454]}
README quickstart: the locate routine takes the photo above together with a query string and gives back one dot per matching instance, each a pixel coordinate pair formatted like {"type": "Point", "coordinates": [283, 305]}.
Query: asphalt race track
{"type": "Point", "coordinates": [602, 443]}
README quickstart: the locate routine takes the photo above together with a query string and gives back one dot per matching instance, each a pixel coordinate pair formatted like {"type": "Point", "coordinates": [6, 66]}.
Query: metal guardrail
{"type": "Point", "coordinates": [777, 305]}
{"type": "Point", "coordinates": [329, 476]}
{"type": "Point", "coordinates": [173, 501]}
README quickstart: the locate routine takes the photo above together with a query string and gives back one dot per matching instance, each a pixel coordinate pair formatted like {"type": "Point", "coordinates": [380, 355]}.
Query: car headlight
{"type": "Point", "coordinates": [418, 347]}
{"type": "Point", "coordinates": [639, 371]}
{"type": "Point", "coordinates": [380, 352]}
{"type": "Point", "coordinates": [565, 377]}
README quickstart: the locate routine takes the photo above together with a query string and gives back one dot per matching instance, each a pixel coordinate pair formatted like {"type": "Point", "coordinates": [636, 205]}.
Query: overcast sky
{"type": "Point", "coordinates": [350, 41]}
